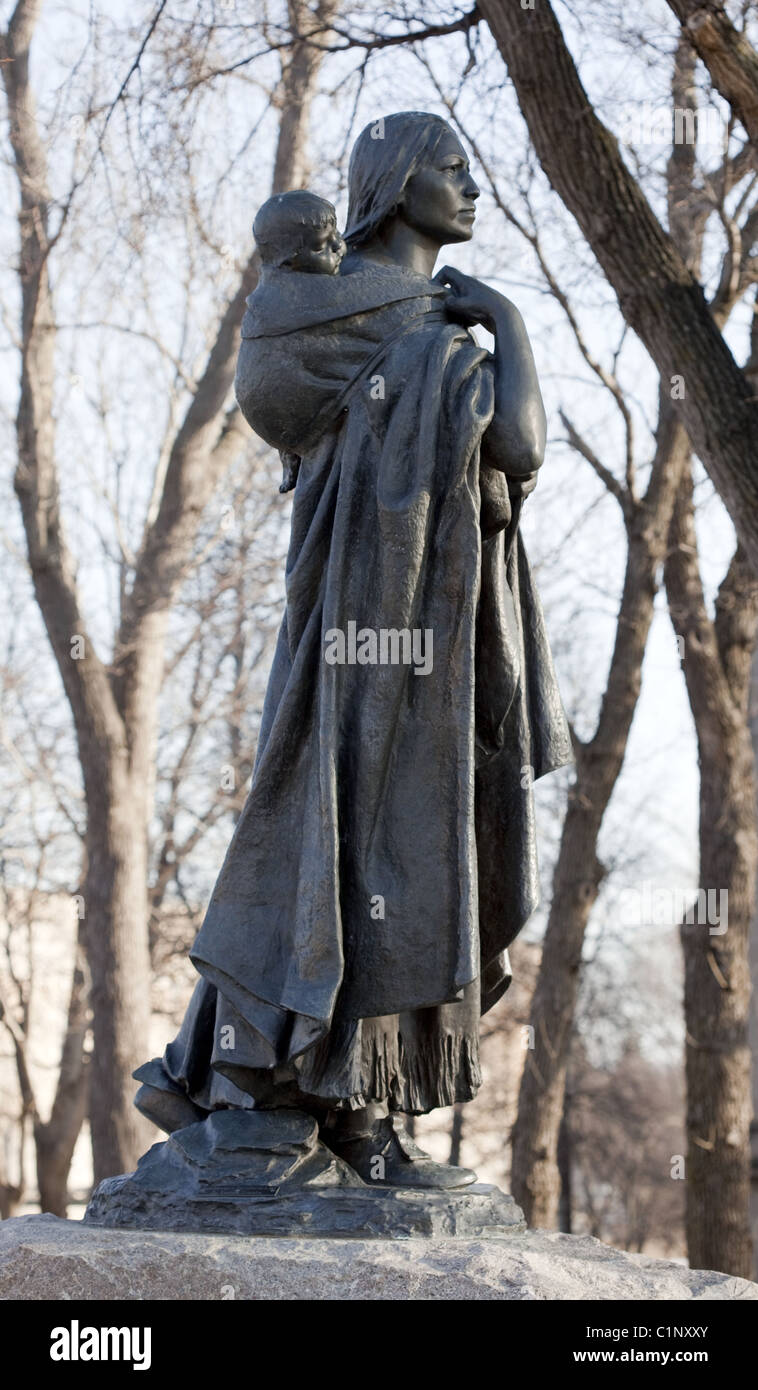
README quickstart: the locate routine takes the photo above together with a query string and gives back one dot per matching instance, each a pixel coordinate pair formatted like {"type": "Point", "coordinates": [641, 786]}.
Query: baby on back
{"type": "Point", "coordinates": [297, 232]}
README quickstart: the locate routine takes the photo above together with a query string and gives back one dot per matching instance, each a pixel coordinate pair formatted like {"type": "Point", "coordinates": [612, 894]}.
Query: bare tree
{"type": "Point", "coordinates": [579, 873]}
{"type": "Point", "coordinates": [753, 957]}
{"type": "Point", "coordinates": [114, 704]}
{"type": "Point", "coordinates": [536, 1180]}
{"type": "Point", "coordinates": [623, 1131]}
{"type": "Point", "coordinates": [716, 663]}
{"type": "Point", "coordinates": [657, 292]}
{"type": "Point", "coordinates": [599, 760]}
{"type": "Point", "coordinates": [728, 55]}
{"type": "Point", "coordinates": [54, 1137]}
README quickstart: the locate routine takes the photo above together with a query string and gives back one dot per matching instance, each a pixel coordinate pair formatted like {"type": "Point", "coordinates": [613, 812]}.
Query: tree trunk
{"type": "Point", "coordinates": [55, 1139]}
{"type": "Point", "coordinates": [753, 960]}
{"type": "Point", "coordinates": [456, 1135]}
{"type": "Point", "coordinates": [727, 54]}
{"type": "Point", "coordinates": [116, 933]}
{"type": "Point", "coordinates": [716, 1003]}
{"type": "Point", "coordinates": [10, 1197]}
{"type": "Point", "coordinates": [716, 664]}
{"type": "Point", "coordinates": [578, 872]}
{"type": "Point", "coordinates": [565, 1205]}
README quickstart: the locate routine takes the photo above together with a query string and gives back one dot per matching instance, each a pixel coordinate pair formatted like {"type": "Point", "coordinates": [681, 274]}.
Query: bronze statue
{"type": "Point", "coordinates": [386, 856]}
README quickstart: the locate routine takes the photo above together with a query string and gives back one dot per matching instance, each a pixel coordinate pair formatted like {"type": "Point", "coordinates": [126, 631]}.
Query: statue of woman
{"type": "Point", "coordinates": [385, 857]}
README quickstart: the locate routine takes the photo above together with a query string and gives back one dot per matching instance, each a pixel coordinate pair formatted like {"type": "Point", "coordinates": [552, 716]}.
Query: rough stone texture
{"type": "Point", "coordinates": [266, 1173]}
{"type": "Point", "coordinates": [479, 1211]}
{"type": "Point", "coordinates": [42, 1257]}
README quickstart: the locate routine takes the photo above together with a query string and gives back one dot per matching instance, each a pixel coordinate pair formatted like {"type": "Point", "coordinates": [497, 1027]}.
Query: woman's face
{"type": "Point", "coordinates": [438, 200]}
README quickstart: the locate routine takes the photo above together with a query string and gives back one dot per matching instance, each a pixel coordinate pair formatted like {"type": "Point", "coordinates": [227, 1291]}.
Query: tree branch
{"type": "Point", "coordinates": [658, 295]}
{"type": "Point", "coordinates": [612, 483]}
{"type": "Point", "coordinates": [36, 480]}
{"type": "Point", "coordinates": [727, 54]}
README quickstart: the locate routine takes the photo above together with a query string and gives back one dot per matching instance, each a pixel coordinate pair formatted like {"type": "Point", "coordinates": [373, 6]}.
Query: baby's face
{"type": "Point", "coordinates": [321, 252]}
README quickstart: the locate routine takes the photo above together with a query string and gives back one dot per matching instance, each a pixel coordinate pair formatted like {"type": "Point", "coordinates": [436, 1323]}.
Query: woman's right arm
{"type": "Point", "coordinates": [515, 439]}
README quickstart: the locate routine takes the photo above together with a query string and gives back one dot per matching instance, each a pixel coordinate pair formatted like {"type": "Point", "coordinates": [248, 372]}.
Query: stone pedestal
{"type": "Point", "coordinates": [478, 1211]}
{"type": "Point", "coordinates": [266, 1173]}
{"type": "Point", "coordinates": [42, 1257]}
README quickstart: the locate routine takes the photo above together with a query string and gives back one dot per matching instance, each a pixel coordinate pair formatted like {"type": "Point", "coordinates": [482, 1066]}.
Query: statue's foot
{"type": "Point", "coordinates": [169, 1110]}
{"type": "Point", "coordinates": [386, 1156]}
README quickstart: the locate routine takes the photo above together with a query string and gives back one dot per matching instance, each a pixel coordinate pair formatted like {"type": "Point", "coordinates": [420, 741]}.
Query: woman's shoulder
{"type": "Point", "coordinates": [289, 301]}
{"type": "Point", "coordinates": [389, 274]}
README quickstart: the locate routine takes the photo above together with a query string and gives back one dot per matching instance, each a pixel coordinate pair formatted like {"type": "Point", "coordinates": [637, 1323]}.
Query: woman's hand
{"type": "Point", "coordinates": [470, 301]}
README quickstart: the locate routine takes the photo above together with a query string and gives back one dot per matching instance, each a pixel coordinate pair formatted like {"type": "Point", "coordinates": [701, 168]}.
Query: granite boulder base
{"type": "Point", "coordinates": [43, 1257]}
{"type": "Point", "coordinates": [268, 1173]}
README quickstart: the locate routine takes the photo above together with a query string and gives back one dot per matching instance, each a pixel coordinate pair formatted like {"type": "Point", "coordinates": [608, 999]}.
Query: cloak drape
{"type": "Point", "coordinates": [386, 855]}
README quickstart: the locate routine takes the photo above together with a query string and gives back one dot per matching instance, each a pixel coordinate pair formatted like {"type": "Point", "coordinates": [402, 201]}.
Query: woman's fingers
{"type": "Point", "coordinates": [448, 275]}
{"type": "Point", "coordinates": [469, 300]}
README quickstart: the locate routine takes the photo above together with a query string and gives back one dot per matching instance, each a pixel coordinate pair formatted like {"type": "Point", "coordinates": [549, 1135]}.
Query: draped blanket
{"type": "Point", "coordinates": [386, 854]}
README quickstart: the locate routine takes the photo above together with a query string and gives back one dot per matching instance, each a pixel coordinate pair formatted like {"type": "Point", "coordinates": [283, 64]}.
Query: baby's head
{"type": "Point", "coordinates": [298, 231]}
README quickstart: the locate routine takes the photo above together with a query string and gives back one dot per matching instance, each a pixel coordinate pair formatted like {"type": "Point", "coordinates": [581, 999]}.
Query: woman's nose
{"type": "Point", "coordinates": [472, 189]}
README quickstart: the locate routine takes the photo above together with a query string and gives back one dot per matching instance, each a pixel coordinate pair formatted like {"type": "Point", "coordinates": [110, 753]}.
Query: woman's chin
{"type": "Point", "coordinates": [461, 231]}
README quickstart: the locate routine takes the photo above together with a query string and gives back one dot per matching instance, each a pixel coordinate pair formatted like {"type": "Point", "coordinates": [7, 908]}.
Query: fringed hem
{"type": "Point", "coordinates": [411, 1076]}
{"type": "Point", "coordinates": [416, 1080]}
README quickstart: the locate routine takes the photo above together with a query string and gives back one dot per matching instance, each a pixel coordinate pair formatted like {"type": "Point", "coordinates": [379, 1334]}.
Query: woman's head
{"type": "Point", "coordinates": [413, 167]}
